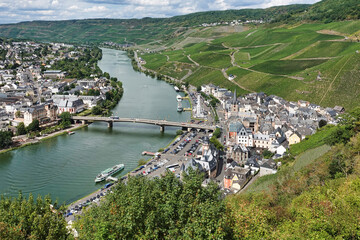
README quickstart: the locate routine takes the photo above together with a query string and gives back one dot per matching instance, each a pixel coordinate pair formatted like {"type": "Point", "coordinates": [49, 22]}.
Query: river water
{"type": "Point", "coordinates": [65, 166]}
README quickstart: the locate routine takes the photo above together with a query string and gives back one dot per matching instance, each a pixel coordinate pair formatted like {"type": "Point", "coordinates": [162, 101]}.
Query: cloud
{"type": "Point", "coordinates": [26, 10]}
{"type": "Point", "coordinates": [96, 9]}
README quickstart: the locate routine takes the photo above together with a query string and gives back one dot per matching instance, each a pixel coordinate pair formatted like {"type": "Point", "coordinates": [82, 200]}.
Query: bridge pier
{"type": "Point", "coordinates": [162, 128]}
{"type": "Point", "coordinates": [83, 122]}
{"type": "Point", "coordinates": [110, 124]}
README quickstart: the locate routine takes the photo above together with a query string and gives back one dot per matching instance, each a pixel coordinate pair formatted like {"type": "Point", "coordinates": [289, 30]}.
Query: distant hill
{"type": "Point", "coordinates": [325, 11]}
{"type": "Point", "coordinates": [334, 10]}
{"type": "Point", "coordinates": [137, 31]}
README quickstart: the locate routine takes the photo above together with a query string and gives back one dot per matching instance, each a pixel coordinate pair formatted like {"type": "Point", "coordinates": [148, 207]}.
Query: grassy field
{"type": "Point", "coordinates": [266, 182]}
{"type": "Point", "coordinates": [242, 56]}
{"type": "Point", "coordinates": [330, 49]}
{"type": "Point", "coordinates": [286, 67]}
{"type": "Point", "coordinates": [312, 141]}
{"type": "Point", "coordinates": [213, 59]}
{"type": "Point", "coordinates": [154, 61]}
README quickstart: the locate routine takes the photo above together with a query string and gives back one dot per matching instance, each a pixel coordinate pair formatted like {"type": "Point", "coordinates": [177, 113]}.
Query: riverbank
{"type": "Point", "coordinates": [37, 140]}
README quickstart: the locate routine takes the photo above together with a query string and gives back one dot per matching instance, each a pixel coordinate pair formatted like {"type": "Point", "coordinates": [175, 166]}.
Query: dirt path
{"type": "Point", "coordinates": [197, 64]}
{"type": "Point", "coordinates": [332, 82]}
{"type": "Point", "coordinates": [234, 82]}
{"type": "Point", "coordinates": [301, 51]}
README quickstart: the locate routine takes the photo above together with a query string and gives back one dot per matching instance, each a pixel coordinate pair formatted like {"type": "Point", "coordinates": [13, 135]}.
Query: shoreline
{"type": "Point", "coordinates": [41, 139]}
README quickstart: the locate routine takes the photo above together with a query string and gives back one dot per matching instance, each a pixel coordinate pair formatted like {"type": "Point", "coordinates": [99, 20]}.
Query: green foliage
{"type": "Point", "coordinates": [137, 31]}
{"type": "Point", "coordinates": [22, 218]}
{"type": "Point", "coordinates": [267, 154]}
{"type": "Point", "coordinates": [20, 129]}
{"type": "Point", "coordinates": [322, 123]}
{"type": "Point", "coordinates": [313, 141]}
{"type": "Point", "coordinates": [96, 110]}
{"type": "Point", "coordinates": [163, 208]}
{"type": "Point", "coordinates": [142, 162]}
{"type": "Point", "coordinates": [179, 132]}
{"type": "Point", "coordinates": [65, 119]}
{"type": "Point", "coordinates": [5, 139]}
{"type": "Point", "coordinates": [216, 143]}
{"type": "Point", "coordinates": [286, 66]}
{"type": "Point", "coordinates": [33, 126]}
{"type": "Point", "coordinates": [316, 198]}
{"type": "Point", "coordinates": [342, 134]}
{"type": "Point", "coordinates": [82, 67]}
{"type": "Point", "coordinates": [333, 10]}
{"type": "Point", "coordinates": [217, 133]}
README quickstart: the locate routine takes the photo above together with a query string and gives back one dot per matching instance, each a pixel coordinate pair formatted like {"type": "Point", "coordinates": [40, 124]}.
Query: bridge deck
{"type": "Point", "coordinates": [145, 121]}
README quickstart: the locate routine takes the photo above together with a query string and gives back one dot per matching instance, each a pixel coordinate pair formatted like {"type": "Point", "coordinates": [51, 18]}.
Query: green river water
{"type": "Point", "coordinates": [65, 166]}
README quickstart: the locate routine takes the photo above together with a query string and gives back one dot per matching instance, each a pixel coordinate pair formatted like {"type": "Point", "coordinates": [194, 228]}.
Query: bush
{"type": "Point", "coordinates": [179, 132]}
{"type": "Point", "coordinates": [20, 129]}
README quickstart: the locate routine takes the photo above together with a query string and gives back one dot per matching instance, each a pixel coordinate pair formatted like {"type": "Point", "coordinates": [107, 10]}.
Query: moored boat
{"type": "Point", "coordinates": [109, 172]}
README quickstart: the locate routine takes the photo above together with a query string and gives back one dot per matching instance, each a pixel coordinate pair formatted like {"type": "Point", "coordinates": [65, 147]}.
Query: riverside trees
{"type": "Point", "coordinates": [22, 218]}
{"type": "Point", "coordinates": [163, 208]}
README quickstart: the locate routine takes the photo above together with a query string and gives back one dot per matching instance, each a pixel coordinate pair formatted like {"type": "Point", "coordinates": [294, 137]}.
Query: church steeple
{"type": "Point", "coordinates": [234, 98]}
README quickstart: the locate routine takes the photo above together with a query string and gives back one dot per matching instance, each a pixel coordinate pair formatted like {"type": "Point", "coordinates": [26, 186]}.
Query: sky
{"type": "Point", "coordinates": [12, 11]}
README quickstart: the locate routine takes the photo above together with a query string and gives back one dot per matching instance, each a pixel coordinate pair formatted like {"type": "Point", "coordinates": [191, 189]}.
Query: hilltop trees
{"type": "Point", "coordinates": [162, 208]}
{"type": "Point", "coordinates": [22, 218]}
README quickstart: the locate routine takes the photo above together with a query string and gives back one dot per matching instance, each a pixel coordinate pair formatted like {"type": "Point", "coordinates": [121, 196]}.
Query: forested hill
{"type": "Point", "coordinates": [133, 30]}
{"type": "Point", "coordinates": [334, 10]}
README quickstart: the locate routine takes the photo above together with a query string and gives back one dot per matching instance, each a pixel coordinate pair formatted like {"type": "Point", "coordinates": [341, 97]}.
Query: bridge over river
{"type": "Point", "coordinates": [161, 123]}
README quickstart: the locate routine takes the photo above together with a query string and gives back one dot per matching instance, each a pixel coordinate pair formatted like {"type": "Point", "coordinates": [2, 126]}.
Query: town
{"type": "Point", "coordinates": [254, 131]}
{"type": "Point", "coordinates": [41, 81]}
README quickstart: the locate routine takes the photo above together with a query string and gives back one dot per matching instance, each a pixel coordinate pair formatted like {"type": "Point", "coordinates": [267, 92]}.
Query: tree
{"type": "Point", "coordinates": [5, 139]}
{"type": "Point", "coordinates": [65, 119]}
{"type": "Point", "coordinates": [322, 123]}
{"type": "Point", "coordinates": [163, 208]}
{"type": "Point", "coordinates": [198, 89]}
{"type": "Point", "coordinates": [17, 114]}
{"type": "Point", "coordinates": [20, 129]}
{"type": "Point", "coordinates": [96, 110]}
{"type": "Point", "coordinates": [33, 126]}
{"type": "Point", "coordinates": [28, 219]}
{"type": "Point", "coordinates": [179, 132]}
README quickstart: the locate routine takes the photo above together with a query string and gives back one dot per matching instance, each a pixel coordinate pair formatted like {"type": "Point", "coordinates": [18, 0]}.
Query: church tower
{"type": "Point", "coordinates": [234, 105]}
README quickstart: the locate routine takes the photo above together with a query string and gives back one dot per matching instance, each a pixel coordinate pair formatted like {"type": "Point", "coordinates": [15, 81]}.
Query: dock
{"type": "Point", "coordinates": [187, 109]}
{"type": "Point", "coordinates": [110, 178]}
{"type": "Point", "coordinates": [148, 153]}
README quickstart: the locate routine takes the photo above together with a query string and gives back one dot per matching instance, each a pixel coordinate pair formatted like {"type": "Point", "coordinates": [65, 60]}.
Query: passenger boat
{"type": "Point", "coordinates": [178, 98]}
{"type": "Point", "coordinates": [176, 88]}
{"type": "Point", "coordinates": [109, 172]}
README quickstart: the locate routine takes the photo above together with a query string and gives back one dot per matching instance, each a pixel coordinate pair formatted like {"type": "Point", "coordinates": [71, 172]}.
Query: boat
{"type": "Point", "coordinates": [71, 132]}
{"type": "Point", "coordinates": [180, 107]}
{"type": "Point", "coordinates": [178, 98]}
{"type": "Point", "coordinates": [109, 172]}
{"type": "Point", "coordinates": [176, 88]}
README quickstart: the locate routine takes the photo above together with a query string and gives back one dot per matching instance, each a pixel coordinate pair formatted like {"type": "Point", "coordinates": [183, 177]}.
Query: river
{"type": "Point", "coordinates": [65, 166]}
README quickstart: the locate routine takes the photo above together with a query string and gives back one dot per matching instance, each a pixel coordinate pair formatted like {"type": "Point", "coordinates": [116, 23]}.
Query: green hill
{"type": "Point", "coordinates": [315, 62]}
{"type": "Point", "coordinates": [137, 31]}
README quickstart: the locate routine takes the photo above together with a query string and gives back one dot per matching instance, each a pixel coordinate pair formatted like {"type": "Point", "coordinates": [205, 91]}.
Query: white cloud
{"type": "Point", "coordinates": [26, 10]}
{"type": "Point", "coordinates": [96, 9]}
